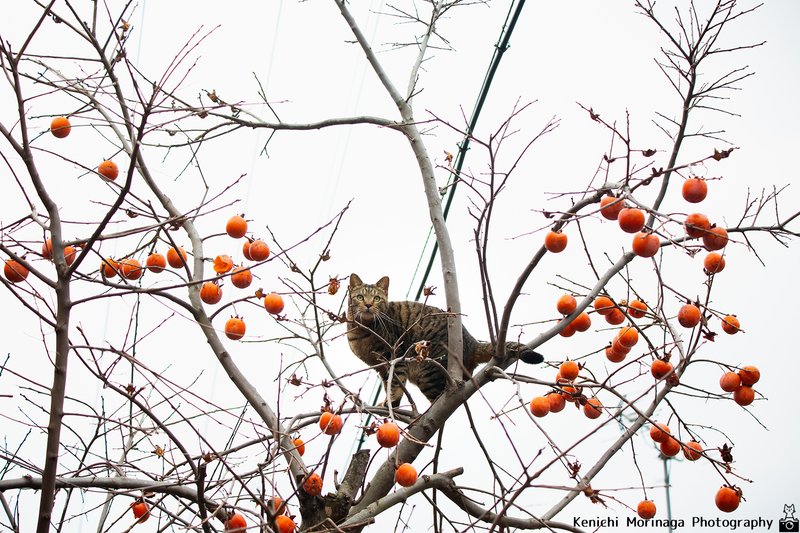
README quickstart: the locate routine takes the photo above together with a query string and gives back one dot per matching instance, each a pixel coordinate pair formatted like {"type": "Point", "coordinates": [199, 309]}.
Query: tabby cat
{"type": "Point", "coordinates": [379, 331]}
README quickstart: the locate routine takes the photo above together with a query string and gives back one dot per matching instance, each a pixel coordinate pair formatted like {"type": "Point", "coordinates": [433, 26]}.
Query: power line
{"type": "Point", "coordinates": [500, 48]}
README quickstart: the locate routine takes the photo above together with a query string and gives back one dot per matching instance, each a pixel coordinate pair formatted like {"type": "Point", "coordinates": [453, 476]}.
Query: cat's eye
{"type": "Point", "coordinates": [376, 298]}
{"type": "Point", "coordinates": [359, 297]}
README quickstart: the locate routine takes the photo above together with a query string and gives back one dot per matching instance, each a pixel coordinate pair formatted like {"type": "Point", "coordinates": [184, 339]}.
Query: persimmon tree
{"type": "Point", "coordinates": [179, 362]}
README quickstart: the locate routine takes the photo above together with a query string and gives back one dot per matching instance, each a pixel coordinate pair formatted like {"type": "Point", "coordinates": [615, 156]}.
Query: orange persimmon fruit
{"type": "Point", "coordinates": [615, 355]}
{"type": "Point", "coordinates": [660, 368]}
{"type": "Point", "coordinates": [60, 127]}
{"type": "Point", "coordinates": [610, 206]}
{"type": "Point", "coordinates": [235, 522]}
{"type": "Point", "coordinates": [592, 408]}
{"type": "Point", "coordinates": [141, 511]}
{"type": "Point", "coordinates": [694, 190]}
{"type": "Point", "coordinates": [730, 382]}
{"type": "Point", "coordinates": [582, 322]}
{"type": "Point", "coordinates": [714, 263]}
{"type": "Point", "coordinates": [108, 169]}
{"type": "Point", "coordinates": [715, 239]}
{"type": "Point", "coordinates": [692, 450]}
{"type": "Point", "coordinates": [628, 336]}
{"type": "Point", "coordinates": [744, 395]}
{"type": "Point", "coordinates": [156, 262]}
{"type": "Point", "coordinates": [731, 325]}
{"type": "Point", "coordinates": [696, 225]}
{"type": "Point", "coordinates": [210, 293]}
{"type": "Point", "coordinates": [540, 406]}
{"type": "Point", "coordinates": [670, 447]}
{"type": "Point", "coordinates": [235, 328]}
{"type": "Point", "coordinates": [313, 484]}
{"type": "Point", "coordinates": [556, 401]}
{"type": "Point", "coordinates": [223, 264]}
{"type": "Point", "coordinates": [273, 303]}
{"type": "Point", "coordinates": [566, 304]}
{"type": "Point", "coordinates": [660, 432]}
{"type": "Point", "coordinates": [555, 241]}
{"type": "Point", "coordinates": [236, 227]}
{"type": "Point", "coordinates": [285, 524]}
{"type": "Point", "coordinates": [631, 220]}
{"type": "Point", "coordinates": [689, 315]}
{"type": "Point", "coordinates": [130, 269]}
{"type": "Point", "coordinates": [569, 370]}
{"type": "Point", "coordinates": [70, 254]}
{"type": "Point", "coordinates": [603, 305]}
{"type": "Point", "coordinates": [645, 244]}
{"type": "Point", "coordinates": [176, 257]}
{"type": "Point", "coordinates": [727, 499]}
{"type": "Point", "coordinates": [615, 317]}
{"type": "Point", "coordinates": [14, 271]}
{"type": "Point", "coordinates": [241, 277]}
{"type": "Point", "coordinates": [637, 308]}
{"type": "Point", "coordinates": [108, 268]}
{"type": "Point", "coordinates": [749, 375]}
{"type": "Point", "coordinates": [405, 475]}
{"type": "Point", "coordinates": [299, 445]}
{"type": "Point", "coordinates": [330, 423]}
{"type": "Point", "coordinates": [259, 251]}
{"type": "Point", "coordinates": [646, 509]}
{"type": "Point", "coordinates": [388, 434]}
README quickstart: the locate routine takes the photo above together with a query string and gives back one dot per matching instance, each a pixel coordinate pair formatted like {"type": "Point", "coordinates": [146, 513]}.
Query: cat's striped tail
{"type": "Point", "coordinates": [484, 351]}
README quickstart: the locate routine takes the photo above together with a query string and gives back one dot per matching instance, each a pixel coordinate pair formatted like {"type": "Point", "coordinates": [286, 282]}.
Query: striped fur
{"type": "Point", "coordinates": [409, 340]}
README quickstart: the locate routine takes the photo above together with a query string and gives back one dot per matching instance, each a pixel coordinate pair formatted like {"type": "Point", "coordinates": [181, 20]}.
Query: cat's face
{"type": "Point", "coordinates": [368, 301]}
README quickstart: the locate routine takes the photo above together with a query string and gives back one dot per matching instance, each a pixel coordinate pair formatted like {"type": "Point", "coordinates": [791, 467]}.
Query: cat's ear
{"type": "Point", "coordinates": [355, 281]}
{"type": "Point", "coordinates": [383, 284]}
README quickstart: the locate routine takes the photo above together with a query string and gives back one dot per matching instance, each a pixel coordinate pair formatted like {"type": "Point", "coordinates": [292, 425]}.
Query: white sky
{"type": "Point", "coordinates": [598, 54]}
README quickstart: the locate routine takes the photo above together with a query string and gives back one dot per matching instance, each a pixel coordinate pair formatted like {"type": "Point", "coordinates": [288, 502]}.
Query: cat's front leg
{"type": "Point", "coordinates": [397, 372]}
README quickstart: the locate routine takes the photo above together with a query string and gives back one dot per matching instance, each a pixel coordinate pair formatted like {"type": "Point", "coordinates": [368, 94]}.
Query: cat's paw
{"type": "Point", "coordinates": [385, 403]}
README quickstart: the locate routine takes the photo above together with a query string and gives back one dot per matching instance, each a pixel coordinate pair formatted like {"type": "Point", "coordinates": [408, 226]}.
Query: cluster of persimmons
{"type": "Point", "coordinates": [738, 381]}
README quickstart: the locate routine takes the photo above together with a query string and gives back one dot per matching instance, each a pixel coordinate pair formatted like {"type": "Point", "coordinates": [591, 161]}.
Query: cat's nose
{"type": "Point", "coordinates": [368, 305]}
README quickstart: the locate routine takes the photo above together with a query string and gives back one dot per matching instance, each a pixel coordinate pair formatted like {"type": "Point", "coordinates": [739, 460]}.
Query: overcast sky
{"type": "Point", "coordinates": [599, 54]}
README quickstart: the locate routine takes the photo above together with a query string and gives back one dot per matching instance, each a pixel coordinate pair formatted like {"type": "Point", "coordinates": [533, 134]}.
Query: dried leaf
{"type": "Point", "coordinates": [574, 468]}
{"type": "Point", "coordinates": [593, 495]}
{"type": "Point", "coordinates": [718, 155]}
{"type": "Point", "coordinates": [333, 286]}
{"type": "Point", "coordinates": [726, 454]}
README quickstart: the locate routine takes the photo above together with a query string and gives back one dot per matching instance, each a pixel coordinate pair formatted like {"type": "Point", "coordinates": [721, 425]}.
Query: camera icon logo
{"type": "Point", "coordinates": [788, 522]}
